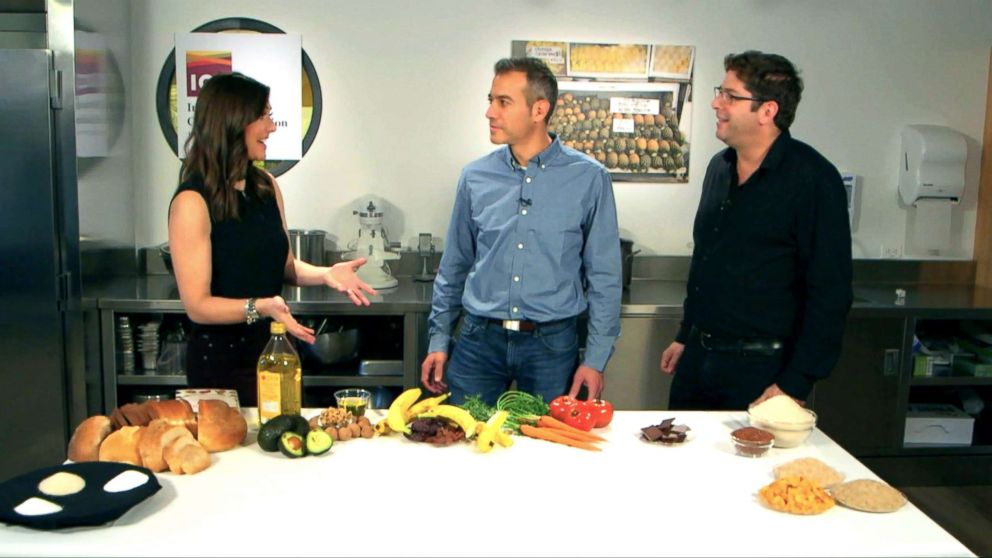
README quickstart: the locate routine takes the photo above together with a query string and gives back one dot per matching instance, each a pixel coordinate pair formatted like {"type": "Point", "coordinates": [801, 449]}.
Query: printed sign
{"type": "Point", "coordinates": [634, 105]}
{"type": "Point", "coordinates": [271, 58]}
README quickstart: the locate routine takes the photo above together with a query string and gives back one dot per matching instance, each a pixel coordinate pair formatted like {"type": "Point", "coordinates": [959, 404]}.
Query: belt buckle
{"type": "Point", "coordinates": [512, 325]}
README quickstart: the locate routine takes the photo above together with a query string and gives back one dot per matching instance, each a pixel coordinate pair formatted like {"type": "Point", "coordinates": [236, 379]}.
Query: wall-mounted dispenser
{"type": "Point", "coordinates": [931, 164]}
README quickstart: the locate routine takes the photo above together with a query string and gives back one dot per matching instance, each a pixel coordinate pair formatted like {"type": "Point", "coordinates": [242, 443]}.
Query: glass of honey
{"type": "Point", "coordinates": [353, 400]}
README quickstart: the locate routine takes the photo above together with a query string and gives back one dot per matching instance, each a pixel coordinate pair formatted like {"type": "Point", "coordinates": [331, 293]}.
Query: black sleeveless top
{"type": "Point", "coordinates": [248, 254]}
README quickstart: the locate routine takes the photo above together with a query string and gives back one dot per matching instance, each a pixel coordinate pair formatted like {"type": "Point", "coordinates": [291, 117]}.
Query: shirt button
{"type": "Point", "coordinates": [696, 289]}
{"type": "Point", "coordinates": [523, 212]}
{"type": "Point", "coordinates": [716, 229]}
{"type": "Point", "coordinates": [705, 258]}
{"type": "Point", "coordinates": [542, 166]}
{"type": "Point", "coordinates": [527, 180]}
{"type": "Point", "coordinates": [516, 278]}
{"type": "Point", "coordinates": [515, 309]}
{"type": "Point", "coordinates": [520, 246]}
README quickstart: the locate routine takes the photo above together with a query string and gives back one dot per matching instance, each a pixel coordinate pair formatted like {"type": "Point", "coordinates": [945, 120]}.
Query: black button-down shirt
{"type": "Point", "coordinates": [772, 258]}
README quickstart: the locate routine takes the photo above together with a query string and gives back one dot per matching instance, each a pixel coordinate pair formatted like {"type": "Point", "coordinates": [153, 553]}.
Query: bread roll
{"type": "Point", "coordinates": [185, 455]}
{"type": "Point", "coordinates": [176, 412]}
{"type": "Point", "coordinates": [151, 442]}
{"type": "Point", "coordinates": [122, 446]}
{"type": "Point", "coordinates": [220, 427]}
{"type": "Point", "coordinates": [86, 439]}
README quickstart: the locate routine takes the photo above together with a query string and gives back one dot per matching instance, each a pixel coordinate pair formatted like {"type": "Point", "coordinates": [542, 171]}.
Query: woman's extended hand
{"type": "Point", "coordinates": [277, 309]}
{"type": "Point", "coordinates": [342, 277]}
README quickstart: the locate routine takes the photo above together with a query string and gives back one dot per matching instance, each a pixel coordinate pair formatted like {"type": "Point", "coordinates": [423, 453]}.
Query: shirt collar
{"type": "Point", "coordinates": [542, 158]}
{"type": "Point", "coordinates": [775, 154]}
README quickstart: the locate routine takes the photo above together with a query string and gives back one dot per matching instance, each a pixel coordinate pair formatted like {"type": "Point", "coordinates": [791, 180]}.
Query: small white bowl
{"type": "Point", "coordinates": [787, 434]}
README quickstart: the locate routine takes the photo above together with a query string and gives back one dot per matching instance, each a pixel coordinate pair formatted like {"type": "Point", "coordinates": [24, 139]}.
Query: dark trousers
{"type": "Point", "coordinates": [226, 357]}
{"type": "Point", "coordinates": [716, 380]}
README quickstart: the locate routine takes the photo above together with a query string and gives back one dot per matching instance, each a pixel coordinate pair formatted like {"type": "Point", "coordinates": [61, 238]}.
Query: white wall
{"type": "Point", "coordinates": [405, 84]}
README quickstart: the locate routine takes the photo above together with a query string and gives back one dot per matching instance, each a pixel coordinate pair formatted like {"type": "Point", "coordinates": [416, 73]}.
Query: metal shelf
{"type": "Point", "coordinates": [950, 381]}
{"type": "Point", "coordinates": [946, 450]}
{"type": "Point", "coordinates": [351, 381]}
{"type": "Point", "coordinates": [139, 380]}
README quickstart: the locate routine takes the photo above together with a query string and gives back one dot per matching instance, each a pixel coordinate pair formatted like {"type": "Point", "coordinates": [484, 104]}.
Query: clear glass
{"type": "Point", "coordinates": [353, 400]}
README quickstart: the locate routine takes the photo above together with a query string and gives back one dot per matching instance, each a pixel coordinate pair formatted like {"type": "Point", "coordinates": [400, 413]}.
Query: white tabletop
{"type": "Point", "coordinates": [390, 496]}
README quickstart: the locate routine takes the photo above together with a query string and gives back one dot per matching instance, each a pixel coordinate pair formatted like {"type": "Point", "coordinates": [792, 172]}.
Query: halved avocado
{"type": "Point", "coordinates": [269, 433]}
{"type": "Point", "coordinates": [292, 445]}
{"type": "Point", "coordinates": [319, 442]}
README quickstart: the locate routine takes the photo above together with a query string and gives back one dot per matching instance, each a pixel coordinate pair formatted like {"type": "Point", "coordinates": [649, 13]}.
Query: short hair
{"type": "Point", "coordinates": [541, 81]}
{"type": "Point", "coordinates": [769, 77]}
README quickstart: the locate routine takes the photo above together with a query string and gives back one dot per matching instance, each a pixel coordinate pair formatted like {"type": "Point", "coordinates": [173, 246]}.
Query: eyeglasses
{"type": "Point", "coordinates": [727, 96]}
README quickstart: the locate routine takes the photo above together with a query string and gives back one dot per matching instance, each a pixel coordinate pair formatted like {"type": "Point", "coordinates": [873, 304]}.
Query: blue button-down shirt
{"type": "Point", "coordinates": [522, 239]}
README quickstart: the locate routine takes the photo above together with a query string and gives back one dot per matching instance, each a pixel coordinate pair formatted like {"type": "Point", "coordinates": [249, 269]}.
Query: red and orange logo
{"type": "Point", "coordinates": [201, 65]}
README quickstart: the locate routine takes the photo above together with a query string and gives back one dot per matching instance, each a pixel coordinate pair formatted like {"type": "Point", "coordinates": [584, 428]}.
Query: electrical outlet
{"type": "Point", "coordinates": [891, 252]}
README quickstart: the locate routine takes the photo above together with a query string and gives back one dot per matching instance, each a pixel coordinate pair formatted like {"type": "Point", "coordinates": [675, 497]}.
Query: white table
{"type": "Point", "coordinates": [390, 496]}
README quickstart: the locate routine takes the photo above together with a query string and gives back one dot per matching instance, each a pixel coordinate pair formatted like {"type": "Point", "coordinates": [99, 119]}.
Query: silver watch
{"type": "Point", "coordinates": [251, 314]}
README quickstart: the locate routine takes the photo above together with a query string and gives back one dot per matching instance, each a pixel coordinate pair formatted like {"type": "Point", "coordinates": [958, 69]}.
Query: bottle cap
{"type": "Point", "coordinates": [277, 327]}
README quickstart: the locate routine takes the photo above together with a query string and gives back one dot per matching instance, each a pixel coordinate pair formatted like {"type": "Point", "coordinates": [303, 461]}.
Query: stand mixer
{"type": "Point", "coordinates": [372, 244]}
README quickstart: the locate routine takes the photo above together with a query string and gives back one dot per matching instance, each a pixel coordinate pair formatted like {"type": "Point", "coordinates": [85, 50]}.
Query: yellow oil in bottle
{"type": "Point", "coordinates": [280, 390]}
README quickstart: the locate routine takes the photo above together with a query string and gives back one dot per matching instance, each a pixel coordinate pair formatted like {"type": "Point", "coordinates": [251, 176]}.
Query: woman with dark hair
{"type": "Point", "coordinates": [230, 242]}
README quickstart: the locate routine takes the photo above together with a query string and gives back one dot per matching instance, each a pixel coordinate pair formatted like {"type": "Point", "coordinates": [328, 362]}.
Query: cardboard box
{"type": "Point", "coordinates": [932, 424]}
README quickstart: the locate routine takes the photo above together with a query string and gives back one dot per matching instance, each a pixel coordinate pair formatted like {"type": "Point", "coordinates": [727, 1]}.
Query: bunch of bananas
{"type": "Point", "coordinates": [406, 408]}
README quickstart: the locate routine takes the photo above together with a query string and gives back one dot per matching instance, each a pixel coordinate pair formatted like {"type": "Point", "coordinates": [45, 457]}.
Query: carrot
{"type": "Point", "coordinates": [550, 435]}
{"type": "Point", "coordinates": [569, 434]}
{"type": "Point", "coordinates": [548, 421]}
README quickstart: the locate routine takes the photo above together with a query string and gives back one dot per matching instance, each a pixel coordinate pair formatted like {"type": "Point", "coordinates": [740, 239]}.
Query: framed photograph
{"type": "Point", "coordinates": [553, 53]}
{"type": "Point", "coordinates": [638, 130]}
{"type": "Point", "coordinates": [672, 62]}
{"type": "Point", "coordinates": [607, 60]}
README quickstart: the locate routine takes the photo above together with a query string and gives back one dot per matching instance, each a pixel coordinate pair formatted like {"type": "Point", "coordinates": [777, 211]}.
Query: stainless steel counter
{"type": "Point", "coordinates": [645, 298]}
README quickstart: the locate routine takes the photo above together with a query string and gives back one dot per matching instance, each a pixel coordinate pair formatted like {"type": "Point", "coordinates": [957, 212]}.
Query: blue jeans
{"type": "Point", "coordinates": [486, 359]}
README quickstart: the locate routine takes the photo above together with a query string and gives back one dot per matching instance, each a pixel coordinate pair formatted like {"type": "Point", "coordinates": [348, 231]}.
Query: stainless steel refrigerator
{"type": "Point", "coordinates": [40, 318]}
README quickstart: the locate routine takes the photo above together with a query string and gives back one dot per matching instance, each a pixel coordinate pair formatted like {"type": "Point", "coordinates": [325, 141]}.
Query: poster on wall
{"type": "Point", "coordinates": [273, 59]}
{"type": "Point", "coordinates": [629, 106]}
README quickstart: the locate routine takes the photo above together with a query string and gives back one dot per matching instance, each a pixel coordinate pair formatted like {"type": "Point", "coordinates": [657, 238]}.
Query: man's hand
{"type": "Point", "coordinates": [670, 358]}
{"type": "Point", "coordinates": [772, 391]}
{"type": "Point", "coordinates": [591, 378]}
{"type": "Point", "coordinates": [432, 372]}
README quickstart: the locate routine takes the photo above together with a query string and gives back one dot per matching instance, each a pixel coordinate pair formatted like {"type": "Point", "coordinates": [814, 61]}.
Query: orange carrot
{"type": "Point", "coordinates": [569, 434]}
{"type": "Point", "coordinates": [548, 421]}
{"type": "Point", "coordinates": [551, 435]}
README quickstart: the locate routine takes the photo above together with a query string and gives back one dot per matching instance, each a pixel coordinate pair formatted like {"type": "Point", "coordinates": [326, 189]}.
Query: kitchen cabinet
{"type": "Point", "coordinates": [633, 379]}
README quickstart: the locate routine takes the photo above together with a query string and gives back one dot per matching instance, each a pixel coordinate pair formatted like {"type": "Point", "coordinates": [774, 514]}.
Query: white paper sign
{"type": "Point", "coordinates": [550, 54]}
{"type": "Point", "coordinates": [623, 125]}
{"type": "Point", "coordinates": [634, 105]}
{"type": "Point", "coordinates": [271, 58]}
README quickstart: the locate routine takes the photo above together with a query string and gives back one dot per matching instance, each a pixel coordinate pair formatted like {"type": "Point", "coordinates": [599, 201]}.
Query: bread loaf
{"type": "Point", "coordinates": [176, 412]}
{"type": "Point", "coordinates": [219, 426]}
{"type": "Point", "coordinates": [86, 439]}
{"type": "Point", "coordinates": [185, 455]}
{"type": "Point", "coordinates": [151, 442]}
{"type": "Point", "coordinates": [122, 446]}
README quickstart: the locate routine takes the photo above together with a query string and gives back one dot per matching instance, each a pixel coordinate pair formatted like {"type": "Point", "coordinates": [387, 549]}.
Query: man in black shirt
{"type": "Point", "coordinates": [770, 281]}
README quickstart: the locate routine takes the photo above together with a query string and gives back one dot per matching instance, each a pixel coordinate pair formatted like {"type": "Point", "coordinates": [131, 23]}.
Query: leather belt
{"type": "Point", "coordinates": [741, 346]}
{"type": "Point", "coordinates": [515, 325]}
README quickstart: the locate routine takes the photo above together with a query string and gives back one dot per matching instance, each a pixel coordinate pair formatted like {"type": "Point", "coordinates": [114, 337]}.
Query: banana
{"type": "Point", "coordinates": [504, 439]}
{"type": "Point", "coordinates": [396, 418]}
{"type": "Point", "coordinates": [457, 415]}
{"type": "Point", "coordinates": [493, 427]}
{"type": "Point", "coordinates": [426, 405]}
{"type": "Point", "coordinates": [381, 428]}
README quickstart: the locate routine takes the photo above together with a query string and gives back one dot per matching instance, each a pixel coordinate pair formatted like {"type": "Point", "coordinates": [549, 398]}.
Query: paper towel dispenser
{"type": "Point", "coordinates": [932, 164]}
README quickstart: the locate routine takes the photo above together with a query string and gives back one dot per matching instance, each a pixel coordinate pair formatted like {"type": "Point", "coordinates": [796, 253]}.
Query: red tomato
{"type": "Point", "coordinates": [602, 410]}
{"type": "Point", "coordinates": [561, 405]}
{"type": "Point", "coordinates": [580, 416]}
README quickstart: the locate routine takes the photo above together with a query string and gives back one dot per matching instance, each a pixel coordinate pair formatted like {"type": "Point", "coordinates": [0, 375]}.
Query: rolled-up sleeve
{"type": "Point", "coordinates": [456, 261]}
{"type": "Point", "coordinates": [602, 265]}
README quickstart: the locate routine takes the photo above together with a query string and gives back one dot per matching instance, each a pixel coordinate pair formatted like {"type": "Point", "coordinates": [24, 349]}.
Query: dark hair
{"type": "Point", "coordinates": [216, 150]}
{"type": "Point", "coordinates": [541, 82]}
{"type": "Point", "coordinates": [769, 77]}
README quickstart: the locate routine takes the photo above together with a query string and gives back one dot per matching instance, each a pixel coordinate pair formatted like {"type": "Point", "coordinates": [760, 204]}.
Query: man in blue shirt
{"type": "Point", "coordinates": [533, 243]}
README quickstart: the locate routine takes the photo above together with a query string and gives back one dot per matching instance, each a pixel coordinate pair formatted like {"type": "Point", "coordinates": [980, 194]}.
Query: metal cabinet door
{"type": "Point", "coordinates": [633, 379]}
{"type": "Point", "coordinates": [32, 380]}
{"type": "Point", "coordinates": [857, 405]}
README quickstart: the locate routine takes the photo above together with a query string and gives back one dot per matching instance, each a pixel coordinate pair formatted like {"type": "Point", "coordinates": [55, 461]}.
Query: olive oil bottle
{"type": "Point", "coordinates": [279, 377]}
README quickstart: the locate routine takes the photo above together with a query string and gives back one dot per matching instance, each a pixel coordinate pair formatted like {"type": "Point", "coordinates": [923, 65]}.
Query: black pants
{"type": "Point", "coordinates": [711, 380]}
{"type": "Point", "coordinates": [226, 357]}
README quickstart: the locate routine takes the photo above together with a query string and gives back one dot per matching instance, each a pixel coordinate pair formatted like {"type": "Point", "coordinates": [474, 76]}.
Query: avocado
{"type": "Point", "coordinates": [318, 442]}
{"type": "Point", "coordinates": [269, 433]}
{"type": "Point", "coordinates": [300, 425]}
{"type": "Point", "coordinates": [292, 445]}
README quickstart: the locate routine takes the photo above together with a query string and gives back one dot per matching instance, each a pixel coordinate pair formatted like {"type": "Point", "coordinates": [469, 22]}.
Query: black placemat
{"type": "Point", "coordinates": [91, 506]}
